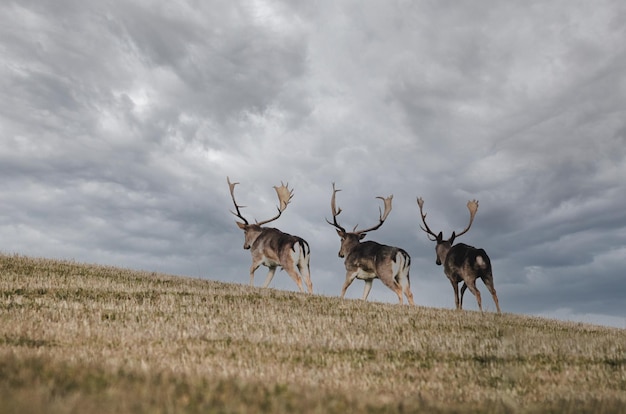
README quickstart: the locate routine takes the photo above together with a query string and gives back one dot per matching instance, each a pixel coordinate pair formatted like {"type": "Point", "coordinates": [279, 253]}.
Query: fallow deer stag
{"type": "Point", "coordinates": [271, 247]}
{"type": "Point", "coordinates": [370, 260]}
{"type": "Point", "coordinates": [461, 262]}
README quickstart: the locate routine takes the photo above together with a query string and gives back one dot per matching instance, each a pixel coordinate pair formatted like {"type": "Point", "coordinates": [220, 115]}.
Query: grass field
{"type": "Point", "coordinates": [78, 338]}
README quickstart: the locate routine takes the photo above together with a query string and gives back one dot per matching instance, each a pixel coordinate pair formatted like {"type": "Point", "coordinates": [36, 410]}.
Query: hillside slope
{"type": "Point", "coordinates": [86, 338]}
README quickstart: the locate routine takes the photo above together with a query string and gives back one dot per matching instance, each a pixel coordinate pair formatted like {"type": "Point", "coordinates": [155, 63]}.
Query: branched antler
{"type": "Point", "coordinates": [284, 197]}
{"type": "Point", "coordinates": [381, 219]}
{"type": "Point", "coordinates": [382, 216]}
{"type": "Point", "coordinates": [232, 195]}
{"type": "Point", "coordinates": [472, 206]}
{"type": "Point", "coordinates": [420, 203]}
{"type": "Point", "coordinates": [335, 211]}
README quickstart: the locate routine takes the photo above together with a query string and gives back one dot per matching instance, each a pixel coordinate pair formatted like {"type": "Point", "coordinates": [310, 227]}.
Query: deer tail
{"type": "Point", "coordinates": [482, 260]}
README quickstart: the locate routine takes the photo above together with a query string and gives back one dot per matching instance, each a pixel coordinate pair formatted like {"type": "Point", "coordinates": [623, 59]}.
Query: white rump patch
{"type": "Point", "coordinates": [296, 252]}
{"type": "Point", "coordinates": [299, 255]}
{"type": "Point", "coordinates": [480, 261]}
{"type": "Point", "coordinates": [398, 267]}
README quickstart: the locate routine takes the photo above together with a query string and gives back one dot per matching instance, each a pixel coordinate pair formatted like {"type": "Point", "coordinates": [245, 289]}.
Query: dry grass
{"type": "Point", "coordinates": [84, 338]}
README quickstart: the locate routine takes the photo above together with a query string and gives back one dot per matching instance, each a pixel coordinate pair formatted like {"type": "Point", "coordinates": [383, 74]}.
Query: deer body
{"type": "Point", "coordinates": [370, 260]}
{"type": "Point", "coordinates": [462, 262]}
{"type": "Point", "coordinates": [272, 248]}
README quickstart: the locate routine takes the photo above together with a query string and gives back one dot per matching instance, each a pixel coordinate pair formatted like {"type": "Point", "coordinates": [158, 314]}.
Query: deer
{"type": "Point", "coordinates": [461, 262]}
{"type": "Point", "coordinates": [271, 247]}
{"type": "Point", "coordinates": [370, 260]}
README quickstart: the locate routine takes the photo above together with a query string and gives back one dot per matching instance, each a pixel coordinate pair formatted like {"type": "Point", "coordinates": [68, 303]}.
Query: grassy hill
{"type": "Point", "coordinates": [78, 338]}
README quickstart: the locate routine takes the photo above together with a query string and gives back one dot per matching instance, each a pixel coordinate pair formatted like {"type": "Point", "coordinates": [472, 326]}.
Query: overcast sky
{"type": "Point", "coordinates": [120, 121]}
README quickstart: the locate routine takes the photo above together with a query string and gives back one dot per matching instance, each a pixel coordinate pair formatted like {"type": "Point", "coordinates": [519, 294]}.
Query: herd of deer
{"type": "Point", "coordinates": [364, 260]}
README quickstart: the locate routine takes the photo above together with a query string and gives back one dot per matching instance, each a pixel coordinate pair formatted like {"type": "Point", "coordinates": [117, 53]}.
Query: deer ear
{"type": "Point", "coordinates": [440, 237]}
{"type": "Point", "coordinates": [340, 233]}
{"type": "Point", "coordinates": [452, 238]}
{"type": "Point", "coordinates": [242, 226]}
{"type": "Point", "coordinates": [362, 236]}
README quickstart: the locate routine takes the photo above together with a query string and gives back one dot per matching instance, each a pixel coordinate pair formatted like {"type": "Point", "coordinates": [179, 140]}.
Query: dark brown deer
{"type": "Point", "coordinates": [461, 262]}
{"type": "Point", "coordinates": [271, 247]}
{"type": "Point", "coordinates": [370, 260]}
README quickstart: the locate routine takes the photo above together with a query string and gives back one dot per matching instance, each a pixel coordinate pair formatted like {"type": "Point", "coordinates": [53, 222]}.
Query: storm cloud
{"type": "Point", "coordinates": [121, 121]}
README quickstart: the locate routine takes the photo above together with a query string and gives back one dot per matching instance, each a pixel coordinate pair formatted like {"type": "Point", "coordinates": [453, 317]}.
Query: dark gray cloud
{"type": "Point", "coordinates": [121, 122]}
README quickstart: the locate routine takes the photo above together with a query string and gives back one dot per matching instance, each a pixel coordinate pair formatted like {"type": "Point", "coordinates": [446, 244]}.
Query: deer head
{"type": "Point", "coordinates": [252, 231]}
{"type": "Point", "coordinates": [349, 239]}
{"type": "Point", "coordinates": [443, 246]}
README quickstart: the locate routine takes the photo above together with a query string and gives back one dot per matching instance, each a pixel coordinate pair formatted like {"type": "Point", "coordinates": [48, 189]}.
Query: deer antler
{"type": "Point", "coordinates": [335, 211]}
{"type": "Point", "coordinates": [420, 203]}
{"type": "Point", "coordinates": [382, 216]}
{"type": "Point", "coordinates": [472, 206]}
{"type": "Point", "coordinates": [284, 197]}
{"type": "Point", "coordinates": [232, 195]}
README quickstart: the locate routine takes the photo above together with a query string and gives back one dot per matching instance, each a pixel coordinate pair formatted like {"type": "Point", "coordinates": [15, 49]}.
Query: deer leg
{"type": "Point", "coordinates": [408, 294]}
{"type": "Point", "coordinates": [368, 287]}
{"type": "Point", "coordinates": [306, 274]}
{"type": "Point", "coordinates": [388, 280]}
{"type": "Point", "coordinates": [350, 276]}
{"type": "Point", "coordinates": [455, 287]}
{"type": "Point", "coordinates": [253, 268]}
{"type": "Point", "coordinates": [488, 280]}
{"type": "Point", "coordinates": [406, 285]}
{"type": "Point", "coordinates": [404, 281]}
{"type": "Point", "coordinates": [471, 284]}
{"type": "Point", "coordinates": [270, 276]}
{"type": "Point", "coordinates": [463, 289]}
{"type": "Point", "coordinates": [295, 276]}
{"type": "Point", "coordinates": [396, 288]}
{"type": "Point", "coordinates": [400, 301]}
